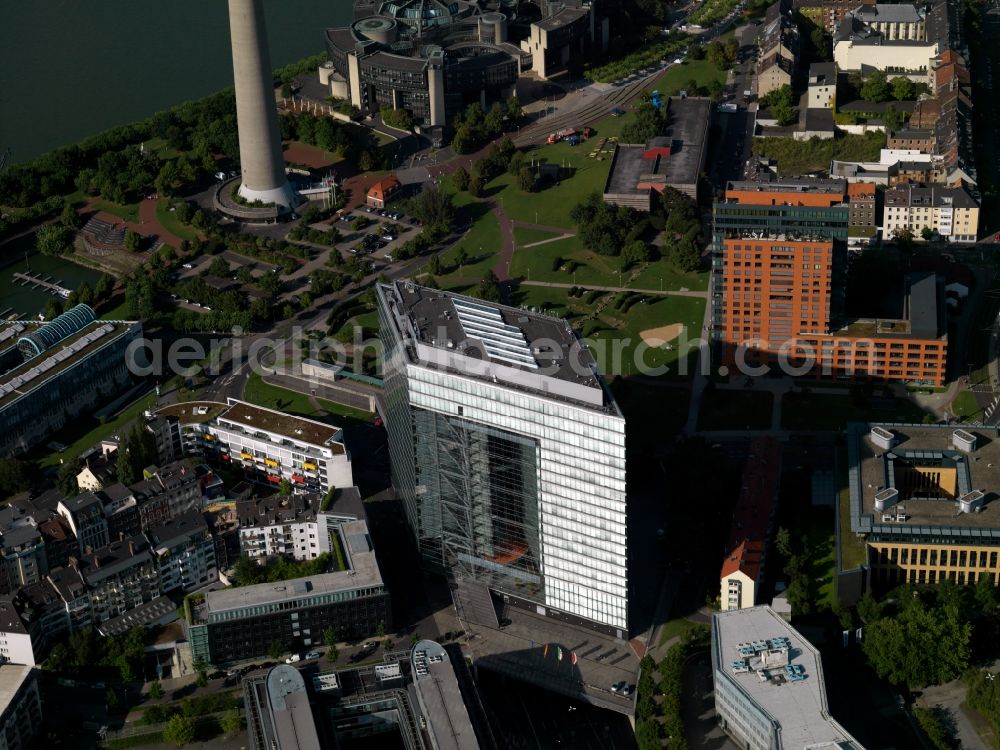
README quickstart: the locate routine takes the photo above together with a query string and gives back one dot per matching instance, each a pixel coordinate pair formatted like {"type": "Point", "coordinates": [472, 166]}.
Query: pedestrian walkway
{"type": "Point", "coordinates": [658, 292]}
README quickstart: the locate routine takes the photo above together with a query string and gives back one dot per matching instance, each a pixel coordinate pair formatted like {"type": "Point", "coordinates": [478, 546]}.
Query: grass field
{"type": "Point", "coordinates": [85, 431]}
{"type": "Point", "coordinates": [128, 212]}
{"type": "Point", "coordinates": [527, 235]}
{"type": "Point", "coordinates": [481, 243]}
{"type": "Point", "coordinates": [581, 266]}
{"type": "Point", "coordinates": [118, 312]}
{"type": "Point", "coordinates": [613, 335]}
{"type": "Point", "coordinates": [820, 411]}
{"type": "Point", "coordinates": [821, 560]}
{"type": "Point", "coordinates": [270, 396]}
{"type": "Point", "coordinates": [852, 549]}
{"type": "Point", "coordinates": [678, 77]}
{"type": "Point", "coordinates": [676, 628]}
{"type": "Point", "coordinates": [171, 223]}
{"type": "Point", "coordinates": [966, 407]}
{"type": "Point", "coordinates": [735, 410]}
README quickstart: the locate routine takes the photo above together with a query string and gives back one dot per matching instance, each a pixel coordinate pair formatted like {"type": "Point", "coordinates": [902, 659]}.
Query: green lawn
{"type": "Point", "coordinates": [614, 336]}
{"type": "Point", "coordinates": [171, 223]}
{"type": "Point", "coordinates": [804, 157]}
{"type": "Point", "coordinates": [292, 402]}
{"type": "Point", "coordinates": [711, 11]}
{"type": "Point", "coordinates": [118, 312]}
{"type": "Point", "coordinates": [677, 628]}
{"type": "Point", "coordinates": [735, 410]}
{"type": "Point", "coordinates": [966, 407]}
{"type": "Point", "coordinates": [527, 235]}
{"type": "Point", "coordinates": [583, 267]}
{"type": "Point", "coordinates": [129, 212]}
{"type": "Point", "coordinates": [552, 205]}
{"type": "Point", "coordinates": [821, 411]}
{"type": "Point", "coordinates": [481, 243]}
{"type": "Point", "coordinates": [821, 560]}
{"type": "Point", "coordinates": [852, 549]}
{"type": "Point", "coordinates": [85, 431]}
{"type": "Point", "coordinates": [678, 77]}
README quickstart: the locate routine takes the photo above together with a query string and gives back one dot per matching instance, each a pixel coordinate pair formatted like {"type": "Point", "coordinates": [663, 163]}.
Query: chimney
{"type": "Point", "coordinates": [121, 536]}
{"type": "Point", "coordinates": [97, 561]}
{"type": "Point", "coordinates": [131, 548]}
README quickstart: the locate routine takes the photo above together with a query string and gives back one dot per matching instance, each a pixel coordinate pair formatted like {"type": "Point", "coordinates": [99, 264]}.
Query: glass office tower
{"type": "Point", "coordinates": [508, 452]}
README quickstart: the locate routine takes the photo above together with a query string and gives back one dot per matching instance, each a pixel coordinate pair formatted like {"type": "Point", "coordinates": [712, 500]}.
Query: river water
{"type": "Point", "coordinates": [72, 68]}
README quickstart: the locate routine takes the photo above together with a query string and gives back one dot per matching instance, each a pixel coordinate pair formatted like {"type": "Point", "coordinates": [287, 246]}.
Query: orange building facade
{"type": "Point", "coordinates": [778, 286]}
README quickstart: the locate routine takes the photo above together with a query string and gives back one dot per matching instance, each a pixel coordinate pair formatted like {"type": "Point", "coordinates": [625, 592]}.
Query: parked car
{"type": "Point", "coordinates": [293, 658]}
{"type": "Point", "coordinates": [312, 655]}
{"type": "Point", "coordinates": [618, 687]}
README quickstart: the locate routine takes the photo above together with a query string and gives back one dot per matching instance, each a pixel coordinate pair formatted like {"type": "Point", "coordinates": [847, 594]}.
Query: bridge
{"type": "Point", "coordinates": [37, 281]}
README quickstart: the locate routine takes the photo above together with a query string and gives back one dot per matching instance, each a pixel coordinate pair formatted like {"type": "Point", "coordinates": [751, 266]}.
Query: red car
{"type": "Point", "coordinates": [378, 421]}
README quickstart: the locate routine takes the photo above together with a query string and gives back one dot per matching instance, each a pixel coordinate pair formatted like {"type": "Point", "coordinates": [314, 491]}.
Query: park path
{"type": "Point", "coordinates": [545, 242]}
{"type": "Point", "coordinates": [148, 225]}
{"type": "Point", "coordinates": [664, 293]}
{"type": "Point", "coordinates": [502, 267]}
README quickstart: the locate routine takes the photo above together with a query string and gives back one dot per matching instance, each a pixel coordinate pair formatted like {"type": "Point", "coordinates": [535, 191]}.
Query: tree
{"type": "Point", "coordinates": [489, 287]}
{"type": "Point", "coordinates": [285, 486]}
{"type": "Point", "coordinates": [820, 43]}
{"type": "Point", "coordinates": [330, 636]}
{"type": "Point", "coordinates": [434, 265]}
{"type": "Point", "coordinates": [400, 119]}
{"type": "Point", "coordinates": [105, 285]}
{"type": "Point", "coordinates": [111, 699]}
{"type": "Point", "coordinates": [784, 113]}
{"type": "Point", "coordinates": [156, 690]}
{"type": "Point", "coordinates": [526, 179]}
{"type": "Point", "coordinates": [876, 88]}
{"type": "Point", "coordinates": [132, 241]}
{"type": "Point", "coordinates": [461, 178]}
{"type": "Point", "coordinates": [461, 256]}
{"type": "Point", "coordinates": [179, 730]}
{"type": "Point", "coordinates": [892, 118]}
{"type": "Point", "coordinates": [276, 650]}
{"type": "Point", "coordinates": [66, 479]}
{"type": "Point", "coordinates": [13, 477]}
{"type": "Point", "coordinates": [635, 252]}
{"type": "Point", "coordinates": [53, 239]}
{"type": "Point", "coordinates": [202, 679]}
{"type": "Point", "coordinates": [922, 644]}
{"type": "Point", "coordinates": [231, 721]}
{"type": "Point", "coordinates": [69, 218]}
{"type": "Point", "coordinates": [903, 89]}
{"type": "Point", "coordinates": [219, 266]}
{"type": "Point", "coordinates": [684, 254]}
{"type": "Point", "coordinates": [462, 142]}
{"type": "Point", "coordinates": [926, 233]}
{"type": "Point", "coordinates": [986, 593]}
{"type": "Point", "coordinates": [514, 111]}
{"type": "Point", "coordinates": [783, 542]}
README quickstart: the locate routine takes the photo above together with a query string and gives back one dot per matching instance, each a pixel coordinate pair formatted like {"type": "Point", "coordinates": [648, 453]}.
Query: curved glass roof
{"type": "Point", "coordinates": [70, 322]}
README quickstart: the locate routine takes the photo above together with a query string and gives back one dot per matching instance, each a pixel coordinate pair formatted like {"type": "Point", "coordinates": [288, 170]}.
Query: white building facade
{"type": "Point", "coordinates": [509, 477]}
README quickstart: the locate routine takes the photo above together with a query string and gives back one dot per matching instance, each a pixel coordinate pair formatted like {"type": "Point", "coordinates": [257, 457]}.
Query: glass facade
{"type": "Point", "coordinates": [521, 491]}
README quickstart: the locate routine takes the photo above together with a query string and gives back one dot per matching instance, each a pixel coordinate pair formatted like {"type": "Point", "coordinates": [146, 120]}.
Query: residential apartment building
{"type": "Point", "coordinates": [949, 212]}
{"type": "Point", "coordinates": [779, 266]}
{"type": "Point", "coordinates": [918, 493]}
{"type": "Point", "coordinates": [236, 624]}
{"type": "Point", "coordinates": [289, 526]}
{"type": "Point", "coordinates": [890, 38]}
{"type": "Point", "coordinates": [268, 446]}
{"type": "Point", "coordinates": [769, 686]}
{"type": "Point", "coordinates": [778, 48]}
{"type": "Point", "coordinates": [85, 516]}
{"type": "Point", "coordinates": [746, 551]}
{"type": "Point", "coordinates": [120, 577]}
{"type": "Point", "coordinates": [184, 552]}
{"type": "Point", "coordinates": [20, 707]}
{"type": "Point", "coordinates": [508, 452]}
{"type": "Point", "coordinates": [823, 85]}
{"type": "Point", "coordinates": [863, 216]}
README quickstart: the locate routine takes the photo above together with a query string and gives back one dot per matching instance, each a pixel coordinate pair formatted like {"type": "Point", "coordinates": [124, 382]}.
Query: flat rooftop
{"type": "Point", "coordinates": [495, 343]}
{"type": "Point", "coordinates": [288, 426]}
{"type": "Point", "coordinates": [874, 469]}
{"type": "Point", "coordinates": [12, 676]}
{"type": "Point", "coordinates": [362, 572]}
{"type": "Point", "coordinates": [564, 17]}
{"type": "Point", "coordinates": [687, 128]}
{"type": "Point", "coordinates": [63, 355]}
{"type": "Point", "coordinates": [799, 707]}
{"type": "Point", "coordinates": [441, 699]}
{"type": "Point", "coordinates": [193, 412]}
